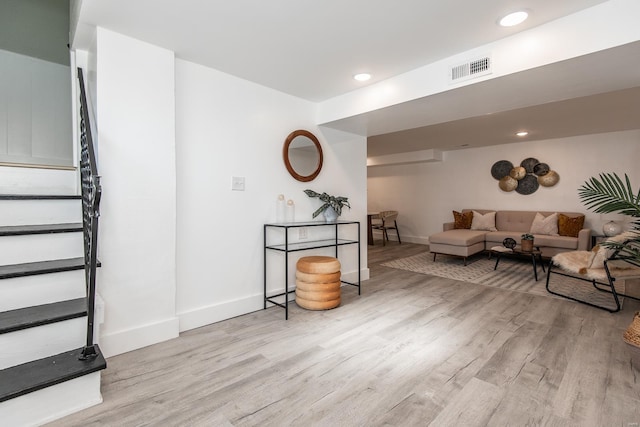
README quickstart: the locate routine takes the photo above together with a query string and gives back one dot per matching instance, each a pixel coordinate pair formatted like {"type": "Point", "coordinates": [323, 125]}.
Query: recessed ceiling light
{"type": "Point", "coordinates": [362, 77]}
{"type": "Point", "coordinates": [522, 133]}
{"type": "Point", "coordinates": [514, 18]}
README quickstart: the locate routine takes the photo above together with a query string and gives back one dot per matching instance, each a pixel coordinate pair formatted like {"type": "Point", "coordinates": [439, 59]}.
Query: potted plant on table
{"type": "Point", "coordinates": [527, 242]}
{"type": "Point", "coordinates": [332, 207]}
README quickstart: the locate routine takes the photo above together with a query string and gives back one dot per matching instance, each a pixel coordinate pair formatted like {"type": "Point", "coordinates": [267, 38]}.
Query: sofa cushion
{"type": "Point", "coordinates": [485, 222]}
{"type": "Point", "coordinates": [459, 237]}
{"type": "Point", "coordinates": [497, 237]}
{"type": "Point", "coordinates": [563, 242]}
{"type": "Point", "coordinates": [515, 220]}
{"type": "Point", "coordinates": [545, 225]}
{"type": "Point", "coordinates": [570, 226]}
{"type": "Point", "coordinates": [462, 220]}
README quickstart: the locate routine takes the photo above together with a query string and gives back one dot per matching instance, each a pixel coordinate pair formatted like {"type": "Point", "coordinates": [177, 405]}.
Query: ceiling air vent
{"type": "Point", "coordinates": [471, 69]}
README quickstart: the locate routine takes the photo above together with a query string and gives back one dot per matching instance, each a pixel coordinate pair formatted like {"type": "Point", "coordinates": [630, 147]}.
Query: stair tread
{"type": "Point", "coordinates": [30, 317]}
{"type": "Point", "coordinates": [18, 230]}
{"type": "Point", "coordinates": [32, 376]}
{"type": "Point", "coordinates": [39, 197]}
{"type": "Point", "coordinates": [41, 267]}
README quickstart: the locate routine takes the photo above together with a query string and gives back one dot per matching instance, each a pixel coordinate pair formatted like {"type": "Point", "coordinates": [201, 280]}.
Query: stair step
{"type": "Point", "coordinates": [41, 267]}
{"type": "Point", "coordinates": [21, 230]}
{"type": "Point", "coordinates": [39, 374]}
{"type": "Point", "coordinates": [39, 197]}
{"type": "Point", "coordinates": [30, 317]}
{"type": "Point", "coordinates": [20, 292]}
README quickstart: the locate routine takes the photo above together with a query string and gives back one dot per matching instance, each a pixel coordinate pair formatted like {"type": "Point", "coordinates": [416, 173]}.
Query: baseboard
{"type": "Point", "coordinates": [352, 276]}
{"type": "Point", "coordinates": [416, 239]}
{"type": "Point", "coordinates": [217, 312]}
{"type": "Point", "coordinates": [409, 239]}
{"type": "Point", "coordinates": [214, 313]}
{"type": "Point", "coordinates": [143, 336]}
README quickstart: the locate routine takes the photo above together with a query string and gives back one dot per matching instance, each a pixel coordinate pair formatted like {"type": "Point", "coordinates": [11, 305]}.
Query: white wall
{"type": "Point", "coordinates": [426, 193]}
{"type": "Point", "coordinates": [35, 113]}
{"type": "Point", "coordinates": [229, 127]}
{"type": "Point", "coordinates": [135, 88]}
{"type": "Point", "coordinates": [179, 249]}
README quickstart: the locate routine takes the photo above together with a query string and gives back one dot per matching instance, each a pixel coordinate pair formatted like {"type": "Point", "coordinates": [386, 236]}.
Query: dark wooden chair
{"type": "Point", "coordinates": [388, 221]}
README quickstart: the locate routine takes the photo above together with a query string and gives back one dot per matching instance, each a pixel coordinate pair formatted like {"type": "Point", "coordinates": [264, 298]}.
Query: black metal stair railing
{"type": "Point", "coordinates": [91, 194]}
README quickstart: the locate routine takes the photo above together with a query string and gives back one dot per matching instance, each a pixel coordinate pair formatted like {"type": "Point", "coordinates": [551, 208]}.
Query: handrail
{"type": "Point", "coordinates": [91, 194]}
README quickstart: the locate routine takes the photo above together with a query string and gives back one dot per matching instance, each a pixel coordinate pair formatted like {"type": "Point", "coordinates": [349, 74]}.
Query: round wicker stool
{"type": "Point", "coordinates": [632, 338]}
{"type": "Point", "coordinates": [318, 282]}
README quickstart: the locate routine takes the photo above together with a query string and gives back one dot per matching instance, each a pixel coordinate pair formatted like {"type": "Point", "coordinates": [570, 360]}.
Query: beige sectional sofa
{"type": "Point", "coordinates": [466, 242]}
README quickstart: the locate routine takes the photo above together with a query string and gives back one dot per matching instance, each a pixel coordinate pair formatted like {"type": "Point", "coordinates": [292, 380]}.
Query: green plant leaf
{"type": "Point", "coordinates": [337, 203]}
{"type": "Point", "coordinates": [320, 210]}
{"type": "Point", "coordinates": [611, 194]}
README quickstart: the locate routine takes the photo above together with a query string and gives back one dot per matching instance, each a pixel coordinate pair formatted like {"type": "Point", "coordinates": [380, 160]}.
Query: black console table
{"type": "Point", "coordinates": [304, 245]}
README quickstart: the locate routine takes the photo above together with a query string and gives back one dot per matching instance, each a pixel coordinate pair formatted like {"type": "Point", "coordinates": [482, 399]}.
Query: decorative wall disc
{"type": "Point", "coordinates": [501, 169]}
{"type": "Point", "coordinates": [529, 163]}
{"type": "Point", "coordinates": [526, 178]}
{"type": "Point", "coordinates": [549, 180]}
{"type": "Point", "coordinates": [541, 169]}
{"type": "Point", "coordinates": [507, 183]}
{"type": "Point", "coordinates": [518, 173]}
{"type": "Point", "coordinates": [527, 185]}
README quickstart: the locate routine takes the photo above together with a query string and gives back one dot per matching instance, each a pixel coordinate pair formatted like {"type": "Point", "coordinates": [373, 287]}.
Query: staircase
{"type": "Point", "coordinates": [43, 312]}
{"type": "Point", "coordinates": [49, 364]}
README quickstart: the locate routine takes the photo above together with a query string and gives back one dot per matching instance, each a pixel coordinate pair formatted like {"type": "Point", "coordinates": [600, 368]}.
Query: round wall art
{"type": "Point", "coordinates": [501, 169]}
{"type": "Point", "coordinates": [526, 178]}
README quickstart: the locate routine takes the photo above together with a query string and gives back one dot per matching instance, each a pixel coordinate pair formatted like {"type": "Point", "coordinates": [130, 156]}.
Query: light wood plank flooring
{"type": "Point", "coordinates": [413, 350]}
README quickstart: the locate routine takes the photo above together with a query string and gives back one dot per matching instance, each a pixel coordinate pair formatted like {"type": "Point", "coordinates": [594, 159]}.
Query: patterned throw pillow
{"type": "Point", "coordinates": [568, 226]}
{"type": "Point", "coordinates": [485, 222]}
{"type": "Point", "coordinates": [547, 226]}
{"type": "Point", "coordinates": [462, 220]}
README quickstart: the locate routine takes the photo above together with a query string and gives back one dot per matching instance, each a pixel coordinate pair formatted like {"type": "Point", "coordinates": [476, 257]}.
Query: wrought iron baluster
{"type": "Point", "coordinates": [91, 195]}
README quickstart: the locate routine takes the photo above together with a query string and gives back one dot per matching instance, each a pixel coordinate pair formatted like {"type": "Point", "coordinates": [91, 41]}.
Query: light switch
{"type": "Point", "coordinates": [237, 183]}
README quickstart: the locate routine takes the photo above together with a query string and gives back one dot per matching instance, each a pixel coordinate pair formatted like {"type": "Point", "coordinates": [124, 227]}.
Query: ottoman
{"type": "Point", "coordinates": [318, 282]}
{"type": "Point", "coordinates": [461, 243]}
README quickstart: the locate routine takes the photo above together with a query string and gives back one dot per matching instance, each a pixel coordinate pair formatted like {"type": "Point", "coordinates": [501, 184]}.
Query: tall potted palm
{"type": "Point", "coordinates": [610, 194]}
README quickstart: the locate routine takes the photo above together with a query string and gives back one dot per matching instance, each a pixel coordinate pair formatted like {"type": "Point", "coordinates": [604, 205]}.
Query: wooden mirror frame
{"type": "Point", "coordinates": [287, 162]}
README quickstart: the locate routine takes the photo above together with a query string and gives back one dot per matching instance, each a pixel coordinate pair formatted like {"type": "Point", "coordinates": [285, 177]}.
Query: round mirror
{"type": "Point", "coordinates": [302, 155]}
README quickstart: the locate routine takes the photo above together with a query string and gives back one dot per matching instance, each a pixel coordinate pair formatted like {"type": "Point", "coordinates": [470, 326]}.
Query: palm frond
{"type": "Point", "coordinates": [610, 194]}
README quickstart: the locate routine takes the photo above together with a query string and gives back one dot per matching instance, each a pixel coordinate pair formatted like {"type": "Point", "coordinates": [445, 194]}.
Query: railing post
{"type": "Point", "coordinates": [91, 195]}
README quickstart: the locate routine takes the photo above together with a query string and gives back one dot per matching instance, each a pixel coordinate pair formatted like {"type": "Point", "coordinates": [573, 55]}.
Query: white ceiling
{"type": "Point", "coordinates": [311, 49]}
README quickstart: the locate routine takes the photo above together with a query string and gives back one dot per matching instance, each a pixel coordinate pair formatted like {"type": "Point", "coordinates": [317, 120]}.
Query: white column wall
{"type": "Point", "coordinates": [136, 115]}
{"type": "Point", "coordinates": [426, 193]}
{"type": "Point", "coordinates": [229, 127]}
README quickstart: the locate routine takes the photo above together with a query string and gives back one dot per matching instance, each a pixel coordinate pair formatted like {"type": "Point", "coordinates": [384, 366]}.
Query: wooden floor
{"type": "Point", "coordinates": [412, 350]}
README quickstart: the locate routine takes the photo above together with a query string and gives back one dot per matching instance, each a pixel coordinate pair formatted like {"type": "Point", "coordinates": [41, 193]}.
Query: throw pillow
{"type": "Point", "coordinates": [485, 222]}
{"type": "Point", "coordinates": [462, 220]}
{"type": "Point", "coordinates": [603, 253]}
{"type": "Point", "coordinates": [568, 226]}
{"type": "Point", "coordinates": [545, 225]}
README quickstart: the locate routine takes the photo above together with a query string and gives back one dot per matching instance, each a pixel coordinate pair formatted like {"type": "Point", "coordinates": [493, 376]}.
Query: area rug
{"type": "Point", "coordinates": [515, 274]}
